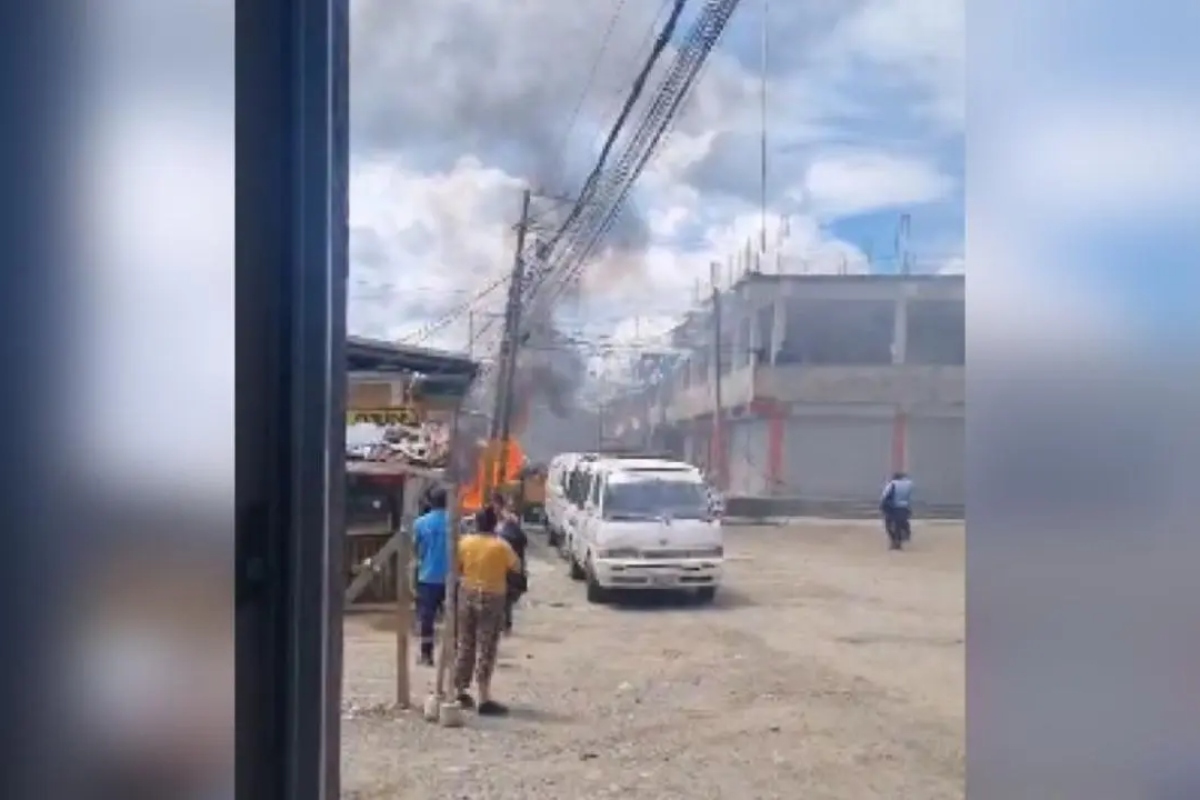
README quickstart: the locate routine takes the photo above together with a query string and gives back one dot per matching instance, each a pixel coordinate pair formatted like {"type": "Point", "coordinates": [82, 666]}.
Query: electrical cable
{"type": "Point", "coordinates": [655, 123]}
{"type": "Point", "coordinates": [670, 94]}
{"type": "Point", "coordinates": [635, 93]}
{"type": "Point", "coordinates": [454, 314]}
{"type": "Point", "coordinates": [605, 190]}
{"type": "Point", "coordinates": [587, 88]}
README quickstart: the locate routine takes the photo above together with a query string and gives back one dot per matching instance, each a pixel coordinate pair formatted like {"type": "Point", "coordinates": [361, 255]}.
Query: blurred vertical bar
{"type": "Point", "coordinates": [292, 173]}
{"type": "Point", "coordinates": [35, 70]}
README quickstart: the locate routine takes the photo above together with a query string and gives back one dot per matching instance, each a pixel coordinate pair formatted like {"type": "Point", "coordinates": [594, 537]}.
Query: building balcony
{"type": "Point", "coordinates": [908, 386]}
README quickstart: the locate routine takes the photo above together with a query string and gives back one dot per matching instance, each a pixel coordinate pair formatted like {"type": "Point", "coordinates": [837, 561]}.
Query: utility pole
{"type": "Point", "coordinates": [502, 410]}
{"type": "Point", "coordinates": [762, 141]}
{"type": "Point", "coordinates": [718, 442]}
{"type": "Point", "coordinates": [600, 426]}
{"type": "Point", "coordinates": [470, 333]}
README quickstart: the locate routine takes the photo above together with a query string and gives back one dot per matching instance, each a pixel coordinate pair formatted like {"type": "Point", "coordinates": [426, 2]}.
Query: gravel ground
{"type": "Point", "coordinates": [828, 668]}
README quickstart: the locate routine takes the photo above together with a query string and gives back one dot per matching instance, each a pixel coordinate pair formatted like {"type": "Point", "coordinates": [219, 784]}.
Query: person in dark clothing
{"type": "Point", "coordinates": [896, 506]}
{"type": "Point", "coordinates": [511, 531]}
{"type": "Point", "coordinates": [430, 534]}
{"type": "Point", "coordinates": [486, 520]}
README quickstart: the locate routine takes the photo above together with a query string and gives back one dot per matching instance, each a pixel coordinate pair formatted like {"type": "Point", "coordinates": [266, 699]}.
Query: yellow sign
{"type": "Point", "coordinates": [383, 417]}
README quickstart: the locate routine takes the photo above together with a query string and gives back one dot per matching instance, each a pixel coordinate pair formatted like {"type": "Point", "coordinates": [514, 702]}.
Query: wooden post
{"type": "Point", "coordinates": [447, 651]}
{"type": "Point", "coordinates": [404, 536]}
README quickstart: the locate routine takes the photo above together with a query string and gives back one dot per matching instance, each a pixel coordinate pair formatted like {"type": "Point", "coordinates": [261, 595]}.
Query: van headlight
{"type": "Point", "coordinates": [624, 553]}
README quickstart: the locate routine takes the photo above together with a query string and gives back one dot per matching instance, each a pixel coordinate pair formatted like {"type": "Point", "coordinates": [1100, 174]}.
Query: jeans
{"type": "Point", "coordinates": [509, 602]}
{"type": "Point", "coordinates": [430, 599]}
{"type": "Point", "coordinates": [896, 521]}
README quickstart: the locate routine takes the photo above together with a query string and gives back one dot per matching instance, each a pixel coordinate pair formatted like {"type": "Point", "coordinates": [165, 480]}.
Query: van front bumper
{"type": "Point", "coordinates": [663, 575]}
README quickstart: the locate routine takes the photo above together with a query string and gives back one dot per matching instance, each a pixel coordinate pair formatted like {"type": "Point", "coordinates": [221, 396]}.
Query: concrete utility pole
{"type": "Point", "coordinates": [717, 445]}
{"type": "Point", "coordinates": [502, 410]}
{"type": "Point", "coordinates": [600, 425]}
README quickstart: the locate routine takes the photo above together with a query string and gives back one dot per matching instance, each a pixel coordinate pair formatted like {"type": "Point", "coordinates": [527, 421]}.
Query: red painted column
{"type": "Point", "coordinates": [900, 441]}
{"type": "Point", "coordinates": [776, 433]}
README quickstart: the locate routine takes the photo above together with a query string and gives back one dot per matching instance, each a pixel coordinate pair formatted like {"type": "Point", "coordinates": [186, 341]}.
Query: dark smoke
{"type": "Point", "coordinates": [550, 370]}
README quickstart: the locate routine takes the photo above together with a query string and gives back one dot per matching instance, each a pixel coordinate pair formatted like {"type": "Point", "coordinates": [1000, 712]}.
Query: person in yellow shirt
{"type": "Point", "coordinates": [485, 562]}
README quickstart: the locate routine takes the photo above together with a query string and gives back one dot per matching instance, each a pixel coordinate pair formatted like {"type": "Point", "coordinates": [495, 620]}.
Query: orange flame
{"type": "Point", "coordinates": [489, 460]}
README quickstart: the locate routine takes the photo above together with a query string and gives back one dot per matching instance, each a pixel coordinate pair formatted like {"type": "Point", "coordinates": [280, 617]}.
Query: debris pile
{"type": "Point", "coordinates": [425, 445]}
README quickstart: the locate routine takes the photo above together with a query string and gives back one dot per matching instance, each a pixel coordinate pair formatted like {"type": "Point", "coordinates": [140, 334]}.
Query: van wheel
{"type": "Point", "coordinates": [577, 573]}
{"type": "Point", "coordinates": [595, 592]}
{"type": "Point", "coordinates": [706, 594]}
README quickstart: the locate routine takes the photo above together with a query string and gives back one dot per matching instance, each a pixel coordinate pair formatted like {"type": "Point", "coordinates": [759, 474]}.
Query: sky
{"type": "Point", "coordinates": [456, 105]}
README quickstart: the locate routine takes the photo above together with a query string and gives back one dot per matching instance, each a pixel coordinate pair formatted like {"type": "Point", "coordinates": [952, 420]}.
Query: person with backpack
{"type": "Point", "coordinates": [512, 532]}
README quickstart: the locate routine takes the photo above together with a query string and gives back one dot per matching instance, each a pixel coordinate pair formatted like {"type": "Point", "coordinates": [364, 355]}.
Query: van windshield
{"type": "Point", "coordinates": [649, 498]}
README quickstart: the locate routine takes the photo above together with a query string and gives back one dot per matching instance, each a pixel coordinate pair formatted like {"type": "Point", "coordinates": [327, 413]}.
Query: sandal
{"type": "Point", "coordinates": [490, 708]}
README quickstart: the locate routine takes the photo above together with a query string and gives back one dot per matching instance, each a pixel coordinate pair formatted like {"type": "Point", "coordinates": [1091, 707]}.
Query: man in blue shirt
{"type": "Point", "coordinates": [430, 533]}
{"type": "Point", "coordinates": [896, 505]}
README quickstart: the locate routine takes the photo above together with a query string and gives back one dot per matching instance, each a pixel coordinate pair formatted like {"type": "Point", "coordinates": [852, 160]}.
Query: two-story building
{"type": "Point", "coordinates": [827, 384]}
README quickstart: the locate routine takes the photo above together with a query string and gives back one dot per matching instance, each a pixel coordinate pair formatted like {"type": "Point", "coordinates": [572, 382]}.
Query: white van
{"type": "Point", "coordinates": [647, 525]}
{"type": "Point", "coordinates": [580, 481]}
{"type": "Point", "coordinates": [557, 474]}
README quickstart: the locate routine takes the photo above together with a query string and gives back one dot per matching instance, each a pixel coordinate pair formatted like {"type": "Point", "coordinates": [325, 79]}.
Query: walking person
{"type": "Point", "coordinates": [430, 533]}
{"type": "Point", "coordinates": [518, 583]}
{"type": "Point", "coordinates": [896, 505]}
{"type": "Point", "coordinates": [486, 563]}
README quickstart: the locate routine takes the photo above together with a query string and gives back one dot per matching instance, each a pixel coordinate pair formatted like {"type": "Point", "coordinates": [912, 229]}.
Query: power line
{"type": "Point", "coordinates": [454, 313]}
{"type": "Point", "coordinates": [587, 88]}
{"type": "Point", "coordinates": [631, 161]}
{"type": "Point", "coordinates": [642, 48]}
{"type": "Point", "coordinates": [762, 243]}
{"type": "Point", "coordinates": [689, 61]}
{"type": "Point", "coordinates": [635, 92]}
{"type": "Point", "coordinates": [542, 269]}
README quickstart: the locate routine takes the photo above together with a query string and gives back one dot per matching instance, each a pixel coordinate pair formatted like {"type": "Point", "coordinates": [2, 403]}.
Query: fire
{"type": "Point", "coordinates": [489, 459]}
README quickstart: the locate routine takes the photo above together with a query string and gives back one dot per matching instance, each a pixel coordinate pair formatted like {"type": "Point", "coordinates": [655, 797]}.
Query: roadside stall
{"type": "Point", "coordinates": [402, 410]}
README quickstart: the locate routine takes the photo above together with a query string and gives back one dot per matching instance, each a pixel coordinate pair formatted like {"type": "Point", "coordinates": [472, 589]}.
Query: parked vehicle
{"type": "Point", "coordinates": [557, 477]}
{"type": "Point", "coordinates": [644, 524]}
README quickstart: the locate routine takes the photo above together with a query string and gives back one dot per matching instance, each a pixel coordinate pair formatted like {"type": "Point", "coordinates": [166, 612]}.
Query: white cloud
{"type": "Point", "coordinates": [477, 87]}
{"type": "Point", "coordinates": [920, 42]}
{"type": "Point", "coordinates": [464, 243]}
{"type": "Point", "coordinates": [845, 184]}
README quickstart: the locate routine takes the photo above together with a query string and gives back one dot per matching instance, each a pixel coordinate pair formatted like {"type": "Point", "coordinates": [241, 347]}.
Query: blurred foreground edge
{"type": "Point", "coordinates": [291, 257]}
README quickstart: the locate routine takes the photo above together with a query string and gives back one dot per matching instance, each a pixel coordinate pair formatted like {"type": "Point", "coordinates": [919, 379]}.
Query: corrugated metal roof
{"type": "Point", "coordinates": [446, 373]}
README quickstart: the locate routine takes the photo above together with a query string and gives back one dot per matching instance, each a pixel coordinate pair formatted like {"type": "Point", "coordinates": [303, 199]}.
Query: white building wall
{"type": "Point", "coordinates": [836, 458]}
{"type": "Point", "coordinates": [748, 458]}
{"type": "Point", "coordinates": [936, 459]}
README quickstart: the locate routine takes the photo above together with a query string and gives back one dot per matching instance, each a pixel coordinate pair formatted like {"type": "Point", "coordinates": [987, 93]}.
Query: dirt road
{"type": "Point", "coordinates": [828, 668]}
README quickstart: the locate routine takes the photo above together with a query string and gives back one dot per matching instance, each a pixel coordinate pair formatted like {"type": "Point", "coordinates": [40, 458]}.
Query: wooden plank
{"type": "Point", "coordinates": [390, 469]}
{"type": "Point", "coordinates": [379, 529]}
{"type": "Point", "coordinates": [363, 579]}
